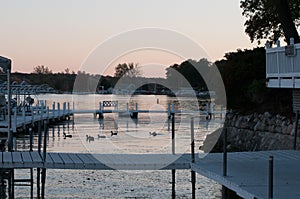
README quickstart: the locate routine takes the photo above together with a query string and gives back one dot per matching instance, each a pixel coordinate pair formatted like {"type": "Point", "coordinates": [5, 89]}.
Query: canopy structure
{"type": "Point", "coordinates": [26, 89]}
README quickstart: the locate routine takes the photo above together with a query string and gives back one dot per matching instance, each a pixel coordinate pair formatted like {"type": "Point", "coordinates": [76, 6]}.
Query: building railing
{"type": "Point", "coordinates": [283, 66]}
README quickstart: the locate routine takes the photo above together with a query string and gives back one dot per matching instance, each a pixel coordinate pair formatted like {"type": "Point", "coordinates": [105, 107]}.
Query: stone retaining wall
{"type": "Point", "coordinates": [256, 132]}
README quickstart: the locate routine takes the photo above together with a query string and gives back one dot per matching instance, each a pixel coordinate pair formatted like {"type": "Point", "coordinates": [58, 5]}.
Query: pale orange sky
{"type": "Point", "coordinates": [62, 34]}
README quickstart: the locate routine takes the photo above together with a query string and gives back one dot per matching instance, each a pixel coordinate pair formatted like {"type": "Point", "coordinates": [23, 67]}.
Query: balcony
{"type": "Point", "coordinates": [283, 66]}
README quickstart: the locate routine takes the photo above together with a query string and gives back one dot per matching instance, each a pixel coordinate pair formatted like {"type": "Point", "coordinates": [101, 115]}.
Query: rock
{"type": "Point", "coordinates": [284, 129]}
{"type": "Point", "coordinates": [278, 129]}
{"type": "Point", "coordinates": [259, 126]}
{"type": "Point", "coordinates": [289, 129]}
{"type": "Point", "coordinates": [238, 122]}
{"type": "Point", "coordinates": [267, 115]}
{"type": "Point", "coordinates": [292, 132]}
{"type": "Point", "coordinates": [271, 129]}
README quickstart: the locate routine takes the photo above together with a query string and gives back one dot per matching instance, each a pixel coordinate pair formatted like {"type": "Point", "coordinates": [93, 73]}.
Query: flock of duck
{"type": "Point", "coordinates": [91, 138]}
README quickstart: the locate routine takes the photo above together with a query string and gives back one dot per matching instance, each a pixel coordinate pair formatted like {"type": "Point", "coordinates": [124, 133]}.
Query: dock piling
{"type": "Point", "coordinates": [296, 130]}
{"type": "Point", "coordinates": [173, 183]}
{"type": "Point", "coordinates": [271, 165]}
{"type": "Point", "coordinates": [31, 139]}
{"type": "Point", "coordinates": [193, 173]}
{"type": "Point", "coordinates": [14, 126]}
{"type": "Point", "coordinates": [58, 108]}
{"type": "Point", "coordinates": [173, 152]}
{"type": "Point", "coordinates": [173, 133]}
{"type": "Point", "coordinates": [224, 189]}
{"type": "Point", "coordinates": [23, 118]}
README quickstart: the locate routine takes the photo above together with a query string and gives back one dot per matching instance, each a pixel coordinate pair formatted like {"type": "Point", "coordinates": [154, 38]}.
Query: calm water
{"type": "Point", "coordinates": [133, 137]}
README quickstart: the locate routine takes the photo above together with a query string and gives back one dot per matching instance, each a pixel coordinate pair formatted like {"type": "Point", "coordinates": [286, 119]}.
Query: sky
{"type": "Point", "coordinates": [63, 34]}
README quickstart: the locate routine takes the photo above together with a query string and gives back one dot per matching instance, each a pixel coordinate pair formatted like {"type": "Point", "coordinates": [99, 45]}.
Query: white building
{"type": "Point", "coordinates": [283, 69]}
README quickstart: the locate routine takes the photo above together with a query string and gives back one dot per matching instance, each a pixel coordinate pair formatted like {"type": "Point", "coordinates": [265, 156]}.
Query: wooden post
{"type": "Point", "coordinates": [9, 133]}
{"type": "Point", "coordinates": [42, 115]}
{"type": "Point", "coordinates": [39, 150]}
{"type": "Point", "coordinates": [207, 111]}
{"type": "Point", "coordinates": [225, 152]}
{"type": "Point", "coordinates": [31, 183]}
{"type": "Point", "coordinates": [173, 108]}
{"type": "Point", "coordinates": [224, 189]}
{"type": "Point", "coordinates": [270, 193]}
{"type": "Point", "coordinates": [31, 139]}
{"type": "Point", "coordinates": [53, 110]}
{"type": "Point", "coordinates": [46, 128]}
{"type": "Point", "coordinates": [64, 109]}
{"type": "Point", "coordinates": [296, 130]}
{"type": "Point", "coordinates": [193, 173]}
{"type": "Point", "coordinates": [32, 117]}
{"type": "Point", "coordinates": [173, 152]}
{"type": "Point", "coordinates": [169, 111]}
{"type": "Point", "coordinates": [38, 181]}
{"type": "Point", "coordinates": [15, 121]}
{"type": "Point", "coordinates": [221, 115]}
{"type": "Point", "coordinates": [39, 136]}
{"type": "Point", "coordinates": [68, 110]}
{"type": "Point", "coordinates": [173, 133]}
{"type": "Point", "coordinates": [48, 120]}
{"type": "Point", "coordinates": [173, 183]}
{"type": "Point", "coordinates": [58, 108]}
{"type": "Point", "coordinates": [24, 118]}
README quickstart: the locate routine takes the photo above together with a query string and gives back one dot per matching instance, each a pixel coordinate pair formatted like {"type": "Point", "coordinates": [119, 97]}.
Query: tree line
{"type": "Point", "coordinates": [243, 71]}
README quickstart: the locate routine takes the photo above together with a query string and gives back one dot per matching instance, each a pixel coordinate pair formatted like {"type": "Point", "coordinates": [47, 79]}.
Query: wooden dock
{"type": "Point", "coordinates": [87, 161]}
{"type": "Point", "coordinates": [23, 119]}
{"type": "Point", "coordinates": [248, 173]}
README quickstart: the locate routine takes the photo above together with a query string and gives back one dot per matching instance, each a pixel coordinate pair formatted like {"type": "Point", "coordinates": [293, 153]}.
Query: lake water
{"type": "Point", "coordinates": [133, 137]}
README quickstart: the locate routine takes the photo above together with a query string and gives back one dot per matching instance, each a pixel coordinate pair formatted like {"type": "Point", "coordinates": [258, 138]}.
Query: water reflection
{"type": "Point", "coordinates": [129, 135]}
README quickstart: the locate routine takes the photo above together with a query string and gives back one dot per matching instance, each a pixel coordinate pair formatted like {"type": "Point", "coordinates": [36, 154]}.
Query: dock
{"type": "Point", "coordinates": [247, 171]}
{"type": "Point", "coordinates": [87, 161]}
{"type": "Point", "coordinates": [23, 119]}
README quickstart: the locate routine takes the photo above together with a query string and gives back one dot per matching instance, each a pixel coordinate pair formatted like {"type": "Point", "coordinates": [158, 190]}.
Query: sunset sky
{"type": "Point", "coordinates": [62, 34]}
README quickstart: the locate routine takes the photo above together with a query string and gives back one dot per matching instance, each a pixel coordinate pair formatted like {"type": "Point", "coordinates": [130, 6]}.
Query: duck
{"type": "Point", "coordinates": [67, 135]}
{"type": "Point", "coordinates": [153, 133]}
{"type": "Point", "coordinates": [90, 138]}
{"type": "Point", "coordinates": [113, 133]}
{"type": "Point", "coordinates": [101, 136]}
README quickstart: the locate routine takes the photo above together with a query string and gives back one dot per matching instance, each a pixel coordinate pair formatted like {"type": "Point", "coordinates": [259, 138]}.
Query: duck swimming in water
{"type": "Point", "coordinates": [153, 133]}
{"type": "Point", "coordinates": [113, 133]}
{"type": "Point", "coordinates": [67, 135]}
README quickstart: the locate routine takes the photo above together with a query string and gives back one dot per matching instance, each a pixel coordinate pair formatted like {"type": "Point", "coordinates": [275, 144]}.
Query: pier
{"type": "Point", "coordinates": [29, 117]}
{"type": "Point", "coordinates": [106, 107]}
{"type": "Point", "coordinates": [247, 171]}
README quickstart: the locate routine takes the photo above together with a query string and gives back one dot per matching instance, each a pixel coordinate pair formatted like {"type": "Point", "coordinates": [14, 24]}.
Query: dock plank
{"type": "Point", "coordinates": [68, 162]}
{"type": "Point", "coordinates": [248, 177]}
{"type": "Point", "coordinates": [49, 163]}
{"type": "Point", "coordinates": [27, 160]}
{"type": "Point", "coordinates": [57, 161]}
{"type": "Point", "coordinates": [17, 159]}
{"type": "Point", "coordinates": [7, 160]}
{"type": "Point", "coordinates": [37, 160]}
{"type": "Point", "coordinates": [78, 163]}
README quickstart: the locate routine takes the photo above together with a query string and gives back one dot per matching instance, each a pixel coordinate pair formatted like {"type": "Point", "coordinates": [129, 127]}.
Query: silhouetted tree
{"type": "Point", "coordinates": [188, 71]}
{"type": "Point", "coordinates": [271, 19]}
{"type": "Point", "coordinates": [42, 70]}
{"type": "Point", "coordinates": [127, 70]}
